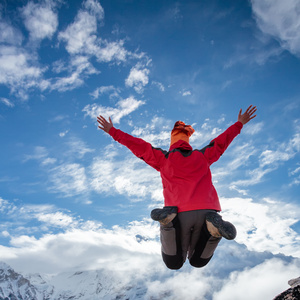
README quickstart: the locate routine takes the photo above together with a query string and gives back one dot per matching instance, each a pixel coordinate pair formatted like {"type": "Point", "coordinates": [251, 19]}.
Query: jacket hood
{"type": "Point", "coordinates": [182, 145]}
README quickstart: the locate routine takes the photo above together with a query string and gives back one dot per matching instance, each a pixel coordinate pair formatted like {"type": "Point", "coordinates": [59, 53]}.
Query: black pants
{"type": "Point", "coordinates": [187, 236]}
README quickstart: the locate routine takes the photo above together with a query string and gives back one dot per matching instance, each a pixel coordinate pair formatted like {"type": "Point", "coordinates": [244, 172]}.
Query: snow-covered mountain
{"type": "Point", "coordinates": [14, 286]}
{"type": "Point", "coordinates": [226, 275]}
{"type": "Point", "coordinates": [87, 285]}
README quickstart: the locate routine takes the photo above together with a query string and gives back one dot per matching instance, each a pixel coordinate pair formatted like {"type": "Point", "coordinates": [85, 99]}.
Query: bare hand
{"type": "Point", "coordinates": [104, 125]}
{"type": "Point", "coordinates": [247, 115]}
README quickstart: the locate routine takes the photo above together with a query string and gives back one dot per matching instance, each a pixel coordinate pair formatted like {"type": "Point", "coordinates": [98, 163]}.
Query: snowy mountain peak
{"type": "Point", "coordinates": [4, 266]}
{"type": "Point", "coordinates": [83, 285]}
{"type": "Point", "coordinates": [87, 285]}
{"type": "Point", "coordinates": [15, 286]}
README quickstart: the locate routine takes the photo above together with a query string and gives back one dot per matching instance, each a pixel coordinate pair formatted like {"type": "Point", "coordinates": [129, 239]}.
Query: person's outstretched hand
{"type": "Point", "coordinates": [247, 115]}
{"type": "Point", "coordinates": [104, 125]}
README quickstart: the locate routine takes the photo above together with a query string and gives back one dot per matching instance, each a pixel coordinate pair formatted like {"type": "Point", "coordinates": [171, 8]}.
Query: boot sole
{"type": "Point", "coordinates": [159, 214]}
{"type": "Point", "coordinates": [226, 229]}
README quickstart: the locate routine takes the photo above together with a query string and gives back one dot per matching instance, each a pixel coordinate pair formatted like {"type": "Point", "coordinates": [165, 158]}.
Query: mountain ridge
{"type": "Point", "coordinates": [83, 285]}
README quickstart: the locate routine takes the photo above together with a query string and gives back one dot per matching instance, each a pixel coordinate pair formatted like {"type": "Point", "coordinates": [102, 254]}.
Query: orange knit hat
{"type": "Point", "coordinates": [181, 132]}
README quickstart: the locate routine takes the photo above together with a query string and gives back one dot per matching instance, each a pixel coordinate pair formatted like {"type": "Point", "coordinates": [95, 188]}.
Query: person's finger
{"type": "Point", "coordinates": [101, 118]}
{"type": "Point", "coordinates": [100, 121]}
{"type": "Point", "coordinates": [252, 113]}
{"type": "Point", "coordinates": [249, 108]}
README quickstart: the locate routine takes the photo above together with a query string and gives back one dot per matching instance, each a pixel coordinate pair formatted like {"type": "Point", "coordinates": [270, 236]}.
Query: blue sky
{"type": "Point", "coordinates": [65, 185]}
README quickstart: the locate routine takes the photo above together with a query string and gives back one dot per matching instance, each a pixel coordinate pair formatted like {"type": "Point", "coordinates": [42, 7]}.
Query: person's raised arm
{"type": "Point", "coordinates": [218, 145]}
{"type": "Point", "coordinates": [247, 115]}
{"type": "Point", "coordinates": [140, 148]}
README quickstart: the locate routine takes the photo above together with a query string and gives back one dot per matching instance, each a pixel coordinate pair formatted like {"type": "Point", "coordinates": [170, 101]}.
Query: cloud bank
{"type": "Point", "coordinates": [234, 271]}
{"type": "Point", "coordinates": [23, 70]}
{"type": "Point", "coordinates": [280, 20]}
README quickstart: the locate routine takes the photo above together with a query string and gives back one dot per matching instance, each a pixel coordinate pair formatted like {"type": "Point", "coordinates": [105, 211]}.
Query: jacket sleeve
{"type": "Point", "coordinates": [218, 145]}
{"type": "Point", "coordinates": [143, 150]}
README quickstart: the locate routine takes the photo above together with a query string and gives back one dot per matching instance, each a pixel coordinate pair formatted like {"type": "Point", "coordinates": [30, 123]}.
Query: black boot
{"type": "Point", "coordinates": [219, 228]}
{"type": "Point", "coordinates": [164, 215]}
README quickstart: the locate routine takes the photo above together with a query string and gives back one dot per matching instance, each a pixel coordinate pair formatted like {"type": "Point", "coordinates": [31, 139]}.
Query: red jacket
{"type": "Point", "coordinates": [185, 172]}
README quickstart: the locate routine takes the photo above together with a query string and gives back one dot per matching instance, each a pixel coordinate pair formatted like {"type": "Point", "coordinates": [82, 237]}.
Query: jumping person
{"type": "Point", "coordinates": [190, 225]}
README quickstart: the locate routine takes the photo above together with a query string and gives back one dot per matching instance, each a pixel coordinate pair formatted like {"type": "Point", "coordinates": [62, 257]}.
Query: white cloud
{"type": "Point", "coordinates": [232, 273]}
{"type": "Point", "coordinates": [48, 161]}
{"type": "Point", "coordinates": [226, 84]}
{"type": "Point", "coordinates": [295, 174]}
{"type": "Point", "coordinates": [159, 85]}
{"type": "Point", "coordinates": [269, 157]}
{"type": "Point", "coordinates": [254, 177]}
{"type": "Point", "coordinates": [253, 128]}
{"type": "Point", "coordinates": [77, 148]}
{"type": "Point", "coordinates": [173, 13]}
{"type": "Point", "coordinates": [78, 69]}
{"type": "Point", "coordinates": [6, 102]}
{"type": "Point", "coordinates": [267, 279]}
{"type": "Point", "coordinates": [124, 108]}
{"type": "Point", "coordinates": [157, 132]}
{"type": "Point", "coordinates": [69, 179]}
{"type": "Point", "coordinates": [204, 134]}
{"type": "Point", "coordinates": [114, 92]}
{"type": "Point", "coordinates": [40, 20]}
{"type": "Point", "coordinates": [183, 285]}
{"type": "Point", "coordinates": [240, 155]}
{"type": "Point", "coordinates": [63, 133]}
{"type": "Point", "coordinates": [57, 219]}
{"type": "Point", "coordinates": [31, 209]}
{"type": "Point", "coordinates": [68, 83]}
{"type": "Point", "coordinates": [265, 226]}
{"type": "Point", "coordinates": [48, 215]}
{"type": "Point", "coordinates": [109, 51]}
{"type": "Point", "coordinates": [41, 154]}
{"type": "Point", "coordinates": [284, 152]}
{"type": "Point", "coordinates": [221, 119]}
{"type": "Point", "coordinates": [270, 160]}
{"type": "Point", "coordinates": [20, 68]}
{"type": "Point", "coordinates": [10, 34]}
{"type": "Point", "coordinates": [6, 207]}
{"type": "Point", "coordinates": [297, 170]}
{"type": "Point", "coordinates": [81, 36]}
{"type": "Point", "coordinates": [280, 20]}
{"type": "Point", "coordinates": [253, 54]}
{"type": "Point", "coordinates": [59, 118]}
{"type": "Point", "coordinates": [138, 78]}
{"type": "Point", "coordinates": [41, 218]}
{"type": "Point", "coordinates": [18, 71]}
{"type": "Point", "coordinates": [186, 93]}
{"type": "Point", "coordinates": [59, 66]}
{"type": "Point", "coordinates": [5, 233]}
{"type": "Point", "coordinates": [87, 248]}
{"type": "Point", "coordinates": [130, 177]}
{"type": "Point", "coordinates": [94, 7]}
